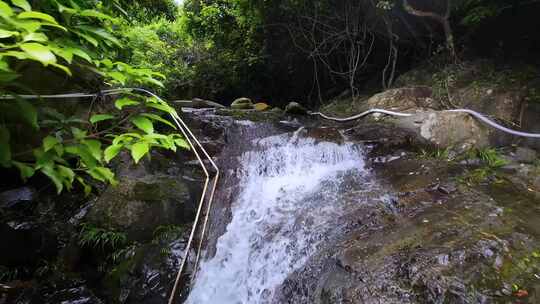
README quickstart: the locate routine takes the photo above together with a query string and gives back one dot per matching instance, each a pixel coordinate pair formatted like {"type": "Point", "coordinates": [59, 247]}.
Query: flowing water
{"type": "Point", "coordinates": [290, 201]}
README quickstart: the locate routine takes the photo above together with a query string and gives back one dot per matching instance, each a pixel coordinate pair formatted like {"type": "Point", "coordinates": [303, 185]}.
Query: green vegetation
{"type": "Point", "coordinates": [64, 38]}
{"type": "Point", "coordinates": [101, 238]}
{"type": "Point", "coordinates": [491, 160]}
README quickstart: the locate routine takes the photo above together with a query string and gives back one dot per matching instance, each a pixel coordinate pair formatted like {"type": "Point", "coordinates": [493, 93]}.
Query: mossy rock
{"type": "Point", "coordinates": [295, 108]}
{"type": "Point", "coordinates": [261, 106]}
{"type": "Point", "coordinates": [242, 104]}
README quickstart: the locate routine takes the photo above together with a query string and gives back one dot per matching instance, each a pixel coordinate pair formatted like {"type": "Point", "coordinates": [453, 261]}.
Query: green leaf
{"type": "Point", "coordinates": [78, 133]}
{"type": "Point", "coordinates": [22, 4]}
{"type": "Point", "coordinates": [158, 118]}
{"type": "Point", "coordinates": [84, 154]}
{"type": "Point", "coordinates": [7, 34]}
{"type": "Point", "coordinates": [94, 146]}
{"type": "Point", "coordinates": [122, 102]}
{"type": "Point", "coordinates": [28, 112]}
{"type": "Point", "coordinates": [138, 150]}
{"type": "Point", "coordinates": [86, 187]}
{"type": "Point", "coordinates": [68, 176]}
{"type": "Point", "coordinates": [64, 68]}
{"type": "Point", "coordinates": [125, 138]}
{"type": "Point", "coordinates": [54, 176]}
{"type": "Point", "coordinates": [39, 37]}
{"type": "Point", "coordinates": [80, 53]}
{"type": "Point", "coordinates": [5, 147]}
{"type": "Point", "coordinates": [143, 123]}
{"type": "Point", "coordinates": [100, 32]}
{"type": "Point", "coordinates": [180, 142]}
{"type": "Point", "coordinates": [103, 174]}
{"type": "Point", "coordinates": [96, 14]}
{"type": "Point", "coordinates": [5, 10]}
{"type": "Point", "coordinates": [27, 25]}
{"type": "Point", "coordinates": [39, 52]}
{"type": "Point", "coordinates": [112, 151]}
{"type": "Point", "coordinates": [43, 158]}
{"type": "Point", "coordinates": [100, 117]}
{"type": "Point", "coordinates": [25, 170]}
{"type": "Point", "coordinates": [93, 41]}
{"type": "Point", "coordinates": [49, 142]}
{"type": "Point", "coordinates": [118, 76]}
{"type": "Point", "coordinates": [37, 15]}
{"type": "Point", "coordinates": [162, 107]}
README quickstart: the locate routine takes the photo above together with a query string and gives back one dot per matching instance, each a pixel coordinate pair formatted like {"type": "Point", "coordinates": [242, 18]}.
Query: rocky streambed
{"type": "Point", "coordinates": [308, 211]}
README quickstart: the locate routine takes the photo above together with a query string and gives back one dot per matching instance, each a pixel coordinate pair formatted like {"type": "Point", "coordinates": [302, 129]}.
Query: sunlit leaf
{"type": "Point", "coordinates": [39, 52]}
{"type": "Point", "coordinates": [22, 4]}
{"type": "Point", "coordinates": [39, 37]}
{"type": "Point", "coordinates": [96, 14]}
{"type": "Point", "coordinates": [5, 10]}
{"type": "Point", "coordinates": [138, 150]}
{"type": "Point", "coordinates": [143, 123]}
{"type": "Point", "coordinates": [94, 146]}
{"type": "Point", "coordinates": [122, 102]}
{"type": "Point", "coordinates": [7, 34]}
{"type": "Point", "coordinates": [158, 118]}
{"type": "Point", "coordinates": [100, 117]}
{"type": "Point", "coordinates": [112, 151]}
{"type": "Point", "coordinates": [37, 15]}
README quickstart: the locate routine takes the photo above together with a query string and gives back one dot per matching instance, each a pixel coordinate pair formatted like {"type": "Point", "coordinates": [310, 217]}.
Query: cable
{"type": "Point", "coordinates": [475, 114]}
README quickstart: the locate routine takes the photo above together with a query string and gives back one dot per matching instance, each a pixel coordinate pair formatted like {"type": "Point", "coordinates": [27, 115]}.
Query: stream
{"type": "Point", "coordinates": [290, 201]}
{"type": "Point", "coordinates": [308, 212]}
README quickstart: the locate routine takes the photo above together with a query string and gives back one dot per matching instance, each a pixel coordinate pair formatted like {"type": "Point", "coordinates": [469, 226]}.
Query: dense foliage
{"type": "Point", "coordinates": [275, 51]}
{"type": "Point", "coordinates": [310, 50]}
{"type": "Point", "coordinates": [61, 37]}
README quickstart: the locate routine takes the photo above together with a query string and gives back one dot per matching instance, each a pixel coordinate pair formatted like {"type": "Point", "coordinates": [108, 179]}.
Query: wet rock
{"type": "Point", "coordinates": [78, 295]}
{"type": "Point", "coordinates": [403, 99]}
{"type": "Point", "coordinates": [295, 109]}
{"type": "Point", "coordinates": [146, 198]}
{"type": "Point", "coordinates": [16, 197]}
{"type": "Point", "coordinates": [458, 131]}
{"type": "Point", "coordinates": [24, 244]}
{"type": "Point", "coordinates": [261, 106]}
{"type": "Point", "coordinates": [501, 103]}
{"type": "Point", "coordinates": [242, 104]}
{"type": "Point", "coordinates": [525, 155]}
{"type": "Point", "coordinates": [146, 275]}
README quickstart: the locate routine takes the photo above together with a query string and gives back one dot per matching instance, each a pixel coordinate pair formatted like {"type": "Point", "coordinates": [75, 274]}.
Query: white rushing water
{"type": "Point", "coordinates": [290, 197]}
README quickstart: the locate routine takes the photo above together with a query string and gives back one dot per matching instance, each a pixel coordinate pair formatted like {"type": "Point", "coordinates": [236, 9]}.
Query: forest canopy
{"type": "Point", "coordinates": [276, 51]}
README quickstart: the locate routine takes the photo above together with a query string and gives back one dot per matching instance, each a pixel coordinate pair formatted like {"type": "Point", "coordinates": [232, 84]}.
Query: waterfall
{"type": "Point", "coordinates": [291, 195]}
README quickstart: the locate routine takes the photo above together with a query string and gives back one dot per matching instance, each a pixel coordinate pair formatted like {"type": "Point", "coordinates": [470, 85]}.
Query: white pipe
{"type": "Point", "coordinates": [475, 114]}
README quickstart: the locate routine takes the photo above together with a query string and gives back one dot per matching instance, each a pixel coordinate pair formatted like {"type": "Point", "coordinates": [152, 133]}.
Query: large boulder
{"type": "Point", "coordinates": [444, 129]}
{"type": "Point", "coordinates": [242, 104]}
{"type": "Point", "coordinates": [501, 103]}
{"type": "Point", "coordinates": [403, 99]}
{"type": "Point", "coordinates": [295, 108]}
{"type": "Point", "coordinates": [146, 198]}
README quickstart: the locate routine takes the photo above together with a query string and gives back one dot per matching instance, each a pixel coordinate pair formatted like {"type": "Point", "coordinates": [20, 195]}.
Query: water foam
{"type": "Point", "coordinates": [290, 196]}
